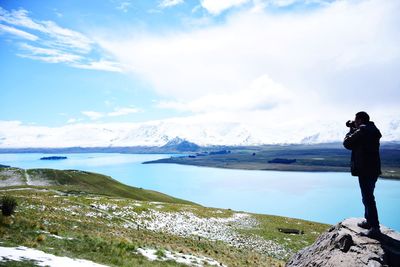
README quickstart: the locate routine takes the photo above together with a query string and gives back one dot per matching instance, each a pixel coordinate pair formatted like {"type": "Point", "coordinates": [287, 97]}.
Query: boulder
{"type": "Point", "coordinates": [342, 245]}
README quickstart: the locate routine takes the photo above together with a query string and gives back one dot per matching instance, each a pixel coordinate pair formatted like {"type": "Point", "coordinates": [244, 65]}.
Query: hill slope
{"type": "Point", "coordinates": [125, 232]}
{"type": "Point", "coordinates": [56, 215]}
{"type": "Point", "coordinates": [79, 181]}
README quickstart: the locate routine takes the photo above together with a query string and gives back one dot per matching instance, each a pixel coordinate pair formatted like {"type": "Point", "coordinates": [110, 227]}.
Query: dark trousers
{"type": "Point", "coordinates": [367, 186]}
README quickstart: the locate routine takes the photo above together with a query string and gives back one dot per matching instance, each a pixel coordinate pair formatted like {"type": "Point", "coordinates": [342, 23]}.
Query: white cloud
{"type": "Point", "coordinates": [59, 37]}
{"type": "Point", "coordinates": [216, 7]}
{"type": "Point", "coordinates": [324, 57]}
{"type": "Point", "coordinates": [118, 111]}
{"type": "Point", "coordinates": [100, 65]}
{"type": "Point", "coordinates": [67, 38]}
{"type": "Point", "coordinates": [260, 4]}
{"type": "Point", "coordinates": [124, 6]}
{"type": "Point", "coordinates": [49, 55]}
{"type": "Point", "coordinates": [19, 18]}
{"type": "Point", "coordinates": [72, 120]}
{"type": "Point", "coordinates": [121, 111]}
{"type": "Point", "coordinates": [93, 115]}
{"type": "Point", "coordinates": [283, 3]}
{"type": "Point", "coordinates": [17, 32]}
{"type": "Point", "coordinates": [54, 44]}
{"type": "Point", "coordinates": [170, 3]}
{"type": "Point", "coordinates": [263, 94]}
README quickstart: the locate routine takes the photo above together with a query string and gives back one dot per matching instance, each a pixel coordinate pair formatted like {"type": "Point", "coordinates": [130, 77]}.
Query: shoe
{"type": "Point", "coordinates": [364, 224]}
{"type": "Point", "coordinates": [374, 233]}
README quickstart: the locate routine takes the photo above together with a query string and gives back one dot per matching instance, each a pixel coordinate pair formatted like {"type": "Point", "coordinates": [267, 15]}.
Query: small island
{"type": "Point", "coordinates": [53, 158]}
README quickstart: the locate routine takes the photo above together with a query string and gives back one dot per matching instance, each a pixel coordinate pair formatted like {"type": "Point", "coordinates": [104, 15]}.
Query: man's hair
{"type": "Point", "coordinates": [363, 116]}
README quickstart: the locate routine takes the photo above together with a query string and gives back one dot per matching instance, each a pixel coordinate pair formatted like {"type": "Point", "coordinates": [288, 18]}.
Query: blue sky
{"type": "Point", "coordinates": [77, 62]}
{"type": "Point", "coordinates": [39, 92]}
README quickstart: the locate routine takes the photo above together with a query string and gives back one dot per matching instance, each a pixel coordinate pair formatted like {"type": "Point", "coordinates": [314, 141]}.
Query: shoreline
{"type": "Point", "coordinates": [271, 167]}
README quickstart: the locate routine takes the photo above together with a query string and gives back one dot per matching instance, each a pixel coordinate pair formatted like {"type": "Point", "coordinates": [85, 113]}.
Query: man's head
{"type": "Point", "coordinates": [361, 118]}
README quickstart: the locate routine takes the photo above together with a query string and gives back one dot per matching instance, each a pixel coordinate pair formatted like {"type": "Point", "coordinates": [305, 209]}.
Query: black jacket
{"type": "Point", "coordinates": [364, 145]}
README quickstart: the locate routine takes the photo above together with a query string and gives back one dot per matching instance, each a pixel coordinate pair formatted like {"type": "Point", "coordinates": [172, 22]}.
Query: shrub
{"type": "Point", "coordinates": [41, 238]}
{"type": "Point", "coordinates": [53, 232]}
{"type": "Point", "coordinates": [8, 205]}
{"type": "Point", "coordinates": [160, 254]}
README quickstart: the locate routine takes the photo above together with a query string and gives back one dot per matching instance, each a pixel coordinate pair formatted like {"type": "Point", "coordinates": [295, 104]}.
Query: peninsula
{"type": "Point", "coordinates": [309, 158]}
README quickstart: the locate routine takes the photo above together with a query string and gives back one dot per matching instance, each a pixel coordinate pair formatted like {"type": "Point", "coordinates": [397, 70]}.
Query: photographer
{"type": "Point", "coordinates": [363, 141]}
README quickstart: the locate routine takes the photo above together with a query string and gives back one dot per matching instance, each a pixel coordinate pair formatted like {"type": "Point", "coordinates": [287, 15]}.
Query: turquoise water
{"type": "Point", "coordinates": [323, 197]}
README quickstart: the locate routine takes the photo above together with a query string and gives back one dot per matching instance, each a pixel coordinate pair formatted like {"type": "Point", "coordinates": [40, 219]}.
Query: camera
{"type": "Point", "coordinates": [351, 124]}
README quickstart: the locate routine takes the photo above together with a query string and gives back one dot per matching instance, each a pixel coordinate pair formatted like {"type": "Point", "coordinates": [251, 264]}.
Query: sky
{"type": "Point", "coordinates": [221, 61]}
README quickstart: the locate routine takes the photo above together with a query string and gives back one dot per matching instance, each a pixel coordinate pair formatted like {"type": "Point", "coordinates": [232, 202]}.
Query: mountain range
{"type": "Point", "coordinates": [162, 133]}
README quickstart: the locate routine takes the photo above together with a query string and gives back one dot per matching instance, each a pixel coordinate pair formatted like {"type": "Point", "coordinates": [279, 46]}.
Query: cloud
{"type": "Point", "coordinates": [66, 38]}
{"type": "Point", "coordinates": [216, 7]}
{"type": "Point", "coordinates": [100, 65]}
{"type": "Point", "coordinates": [283, 3]}
{"type": "Point", "coordinates": [57, 36]}
{"type": "Point", "coordinates": [118, 111]}
{"type": "Point", "coordinates": [19, 33]}
{"type": "Point", "coordinates": [123, 111]}
{"type": "Point", "coordinates": [49, 55]}
{"type": "Point", "coordinates": [324, 57]}
{"type": "Point", "coordinates": [19, 18]}
{"type": "Point", "coordinates": [261, 4]}
{"type": "Point", "coordinates": [93, 115]}
{"type": "Point", "coordinates": [72, 120]}
{"type": "Point", "coordinates": [124, 6]}
{"type": "Point", "coordinates": [170, 3]}
{"type": "Point", "coordinates": [262, 94]}
{"type": "Point", "coordinates": [52, 43]}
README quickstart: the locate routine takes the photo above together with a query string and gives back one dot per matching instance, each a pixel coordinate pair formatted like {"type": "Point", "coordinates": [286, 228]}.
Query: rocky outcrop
{"type": "Point", "coordinates": [343, 246]}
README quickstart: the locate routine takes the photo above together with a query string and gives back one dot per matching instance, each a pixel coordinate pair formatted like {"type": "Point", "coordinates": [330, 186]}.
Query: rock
{"type": "Point", "coordinates": [343, 246]}
{"type": "Point", "coordinates": [290, 231]}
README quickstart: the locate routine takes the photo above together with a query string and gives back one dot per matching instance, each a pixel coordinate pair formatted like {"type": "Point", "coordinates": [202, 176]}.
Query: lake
{"type": "Point", "coordinates": [317, 196]}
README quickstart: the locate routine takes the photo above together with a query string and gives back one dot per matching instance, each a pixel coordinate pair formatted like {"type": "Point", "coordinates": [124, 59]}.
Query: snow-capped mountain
{"type": "Point", "coordinates": [159, 133]}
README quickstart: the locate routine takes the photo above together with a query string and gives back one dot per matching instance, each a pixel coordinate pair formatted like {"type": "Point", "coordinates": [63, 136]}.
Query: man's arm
{"type": "Point", "coordinates": [353, 137]}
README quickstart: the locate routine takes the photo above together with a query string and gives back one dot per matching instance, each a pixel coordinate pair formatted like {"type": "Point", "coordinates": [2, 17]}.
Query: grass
{"type": "Point", "coordinates": [73, 181]}
{"type": "Point", "coordinates": [91, 216]}
{"type": "Point", "coordinates": [160, 253]}
{"type": "Point", "coordinates": [104, 239]}
{"type": "Point", "coordinates": [268, 229]}
{"type": "Point", "coordinates": [22, 263]}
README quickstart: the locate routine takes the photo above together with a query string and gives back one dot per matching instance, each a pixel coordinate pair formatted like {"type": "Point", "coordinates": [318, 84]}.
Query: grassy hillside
{"type": "Point", "coordinates": [111, 230]}
{"type": "Point", "coordinates": [81, 181]}
{"type": "Point", "coordinates": [93, 217]}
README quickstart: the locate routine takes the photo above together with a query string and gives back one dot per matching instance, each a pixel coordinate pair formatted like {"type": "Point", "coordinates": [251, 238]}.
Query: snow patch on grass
{"type": "Point", "coordinates": [11, 177]}
{"type": "Point", "coordinates": [41, 258]}
{"type": "Point", "coordinates": [187, 259]}
{"type": "Point", "coordinates": [186, 224]}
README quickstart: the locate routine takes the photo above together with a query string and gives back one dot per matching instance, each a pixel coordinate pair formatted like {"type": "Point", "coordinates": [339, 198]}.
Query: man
{"type": "Point", "coordinates": [363, 141]}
